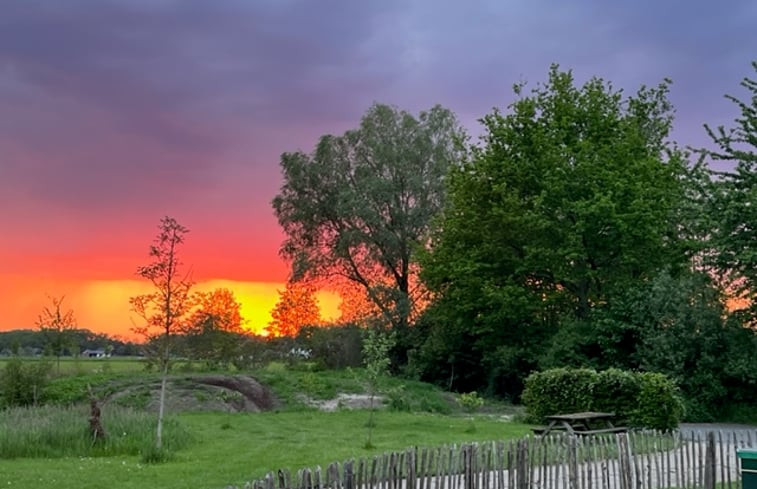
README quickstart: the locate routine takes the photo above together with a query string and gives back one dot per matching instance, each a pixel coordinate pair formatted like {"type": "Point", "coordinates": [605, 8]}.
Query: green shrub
{"type": "Point", "coordinates": [615, 391]}
{"type": "Point", "coordinates": [398, 399]}
{"type": "Point", "coordinates": [558, 390]}
{"type": "Point", "coordinates": [648, 400]}
{"type": "Point", "coordinates": [333, 347]}
{"type": "Point", "coordinates": [23, 383]}
{"type": "Point", "coordinates": [470, 401]}
{"type": "Point", "coordinates": [658, 404]}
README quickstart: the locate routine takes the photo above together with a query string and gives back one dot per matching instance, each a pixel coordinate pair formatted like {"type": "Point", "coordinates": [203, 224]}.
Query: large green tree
{"type": "Point", "coordinates": [734, 237]}
{"type": "Point", "coordinates": [569, 201]}
{"type": "Point", "coordinates": [361, 204]}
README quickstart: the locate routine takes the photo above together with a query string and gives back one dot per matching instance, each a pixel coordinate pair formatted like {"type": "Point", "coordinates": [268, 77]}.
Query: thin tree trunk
{"type": "Point", "coordinates": [369, 444]}
{"type": "Point", "coordinates": [161, 408]}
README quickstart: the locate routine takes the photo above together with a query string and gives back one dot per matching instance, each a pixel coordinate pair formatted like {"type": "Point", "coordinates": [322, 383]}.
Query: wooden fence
{"type": "Point", "coordinates": [637, 460]}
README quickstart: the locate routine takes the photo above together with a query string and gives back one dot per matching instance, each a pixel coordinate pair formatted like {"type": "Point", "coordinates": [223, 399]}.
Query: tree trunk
{"type": "Point", "coordinates": [161, 408]}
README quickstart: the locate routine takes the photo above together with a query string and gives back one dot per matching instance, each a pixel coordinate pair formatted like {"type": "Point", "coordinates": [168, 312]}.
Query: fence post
{"type": "Point", "coordinates": [572, 462]}
{"type": "Point", "coordinates": [468, 466]}
{"type": "Point", "coordinates": [625, 475]}
{"type": "Point", "coordinates": [348, 474]}
{"type": "Point", "coordinates": [521, 461]}
{"type": "Point", "coordinates": [709, 462]}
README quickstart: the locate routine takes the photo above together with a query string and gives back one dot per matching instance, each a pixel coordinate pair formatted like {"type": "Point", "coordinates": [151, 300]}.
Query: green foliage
{"type": "Point", "coordinates": [648, 400]}
{"type": "Point", "coordinates": [560, 390]}
{"type": "Point", "coordinates": [63, 431]}
{"type": "Point", "coordinates": [569, 202]}
{"type": "Point", "coordinates": [734, 203]}
{"type": "Point", "coordinates": [677, 326]}
{"type": "Point", "coordinates": [470, 401]}
{"type": "Point", "coordinates": [658, 403]}
{"type": "Point", "coordinates": [23, 383]}
{"type": "Point", "coordinates": [376, 347]}
{"type": "Point", "coordinates": [31, 342]}
{"type": "Point", "coordinates": [333, 347]}
{"type": "Point", "coordinates": [616, 390]}
{"type": "Point", "coordinates": [361, 204]}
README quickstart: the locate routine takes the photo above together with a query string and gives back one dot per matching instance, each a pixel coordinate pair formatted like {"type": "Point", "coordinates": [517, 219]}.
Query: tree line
{"type": "Point", "coordinates": [30, 342]}
{"type": "Point", "coordinates": [574, 233]}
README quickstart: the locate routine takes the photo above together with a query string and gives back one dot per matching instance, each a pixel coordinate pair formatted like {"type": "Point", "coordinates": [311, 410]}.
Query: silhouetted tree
{"type": "Point", "coordinates": [163, 310]}
{"type": "Point", "coordinates": [57, 327]}
{"type": "Point", "coordinates": [296, 308]}
{"type": "Point", "coordinates": [361, 204]}
{"type": "Point", "coordinates": [215, 326]}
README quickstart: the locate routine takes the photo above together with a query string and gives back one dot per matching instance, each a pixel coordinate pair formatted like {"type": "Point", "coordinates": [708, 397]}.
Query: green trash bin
{"type": "Point", "coordinates": [748, 458]}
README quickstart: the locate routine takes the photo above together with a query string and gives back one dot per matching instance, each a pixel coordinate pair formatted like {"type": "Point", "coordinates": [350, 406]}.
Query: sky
{"type": "Point", "coordinates": [116, 113]}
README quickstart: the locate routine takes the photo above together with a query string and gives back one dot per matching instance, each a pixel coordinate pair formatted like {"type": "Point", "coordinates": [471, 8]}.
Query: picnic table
{"type": "Point", "coordinates": [585, 423]}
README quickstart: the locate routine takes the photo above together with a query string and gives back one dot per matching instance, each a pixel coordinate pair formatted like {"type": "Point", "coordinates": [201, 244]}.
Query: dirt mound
{"type": "Point", "coordinates": [347, 401]}
{"type": "Point", "coordinates": [228, 393]}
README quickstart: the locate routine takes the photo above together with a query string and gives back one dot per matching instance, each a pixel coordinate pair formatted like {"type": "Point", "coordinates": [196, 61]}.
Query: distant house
{"type": "Point", "coordinates": [98, 353]}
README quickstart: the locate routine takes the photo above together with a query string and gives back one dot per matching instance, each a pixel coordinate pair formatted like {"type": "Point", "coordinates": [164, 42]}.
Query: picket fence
{"type": "Point", "coordinates": [635, 460]}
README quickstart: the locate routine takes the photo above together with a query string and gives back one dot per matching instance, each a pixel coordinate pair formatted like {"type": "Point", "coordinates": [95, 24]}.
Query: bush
{"type": "Point", "coordinates": [658, 404]}
{"type": "Point", "coordinates": [558, 390]}
{"type": "Point", "coordinates": [333, 347]}
{"type": "Point", "coordinates": [614, 391]}
{"type": "Point", "coordinates": [648, 400]}
{"type": "Point", "coordinates": [23, 383]}
{"type": "Point", "coordinates": [470, 402]}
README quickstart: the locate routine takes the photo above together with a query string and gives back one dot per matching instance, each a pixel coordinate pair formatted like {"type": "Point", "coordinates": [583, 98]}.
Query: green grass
{"type": "Point", "coordinates": [233, 448]}
{"type": "Point", "coordinates": [58, 431]}
{"type": "Point", "coordinates": [83, 366]}
{"type": "Point", "coordinates": [401, 394]}
{"type": "Point", "coordinates": [230, 448]}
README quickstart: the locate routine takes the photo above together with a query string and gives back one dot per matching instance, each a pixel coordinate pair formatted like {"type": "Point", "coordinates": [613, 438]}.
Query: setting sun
{"type": "Point", "coordinates": [103, 305]}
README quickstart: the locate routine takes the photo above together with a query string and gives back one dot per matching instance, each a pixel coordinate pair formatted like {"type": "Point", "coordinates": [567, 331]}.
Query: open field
{"type": "Point", "coordinates": [75, 366]}
{"type": "Point", "coordinates": [232, 448]}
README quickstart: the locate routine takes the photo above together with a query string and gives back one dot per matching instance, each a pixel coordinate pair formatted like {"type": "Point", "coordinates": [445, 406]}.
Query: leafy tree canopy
{"type": "Point", "coordinates": [361, 203]}
{"type": "Point", "coordinates": [569, 200]}
{"type": "Point", "coordinates": [734, 237]}
{"type": "Point", "coordinates": [296, 308]}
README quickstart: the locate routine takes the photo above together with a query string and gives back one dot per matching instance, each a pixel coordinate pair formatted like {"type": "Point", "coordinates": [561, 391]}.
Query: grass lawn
{"type": "Point", "coordinates": [233, 448]}
{"type": "Point", "coordinates": [80, 366]}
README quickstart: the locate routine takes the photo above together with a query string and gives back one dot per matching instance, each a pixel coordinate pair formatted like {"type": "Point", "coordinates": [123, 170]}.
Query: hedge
{"type": "Point", "coordinates": [640, 400]}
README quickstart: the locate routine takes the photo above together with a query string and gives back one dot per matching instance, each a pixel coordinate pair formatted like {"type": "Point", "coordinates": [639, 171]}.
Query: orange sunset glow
{"type": "Point", "coordinates": [103, 305]}
{"type": "Point", "coordinates": [118, 113]}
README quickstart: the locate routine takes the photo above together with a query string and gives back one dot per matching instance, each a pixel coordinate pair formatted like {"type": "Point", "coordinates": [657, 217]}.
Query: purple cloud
{"type": "Point", "coordinates": [131, 105]}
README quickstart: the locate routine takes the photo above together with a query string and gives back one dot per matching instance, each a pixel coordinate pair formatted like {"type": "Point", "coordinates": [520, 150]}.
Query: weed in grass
{"type": "Point", "coordinates": [154, 455]}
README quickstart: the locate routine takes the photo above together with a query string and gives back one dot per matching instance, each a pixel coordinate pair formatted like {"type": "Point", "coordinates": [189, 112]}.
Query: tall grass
{"type": "Point", "coordinates": [57, 431]}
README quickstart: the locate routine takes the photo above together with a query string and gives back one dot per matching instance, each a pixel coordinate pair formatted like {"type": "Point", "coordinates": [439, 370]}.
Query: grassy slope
{"type": "Point", "coordinates": [232, 448]}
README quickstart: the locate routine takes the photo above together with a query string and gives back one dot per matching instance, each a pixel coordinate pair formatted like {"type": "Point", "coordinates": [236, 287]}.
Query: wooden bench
{"type": "Point", "coordinates": [614, 429]}
{"type": "Point", "coordinates": [540, 430]}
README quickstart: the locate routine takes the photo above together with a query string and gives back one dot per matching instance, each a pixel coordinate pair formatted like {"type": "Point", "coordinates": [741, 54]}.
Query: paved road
{"type": "Point", "coordinates": [742, 432]}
